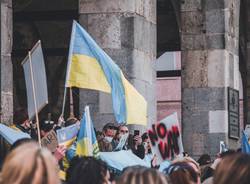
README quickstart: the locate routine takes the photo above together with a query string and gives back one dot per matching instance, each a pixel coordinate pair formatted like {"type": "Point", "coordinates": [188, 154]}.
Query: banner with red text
{"type": "Point", "coordinates": [165, 137]}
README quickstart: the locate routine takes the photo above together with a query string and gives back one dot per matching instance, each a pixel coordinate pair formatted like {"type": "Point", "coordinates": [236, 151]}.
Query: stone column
{"type": "Point", "coordinates": [6, 64]}
{"type": "Point", "coordinates": [210, 64]}
{"type": "Point", "coordinates": [126, 30]}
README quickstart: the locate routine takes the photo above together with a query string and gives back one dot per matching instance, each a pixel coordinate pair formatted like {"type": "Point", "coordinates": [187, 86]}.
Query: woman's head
{"type": "Point", "coordinates": [182, 173]}
{"type": "Point", "coordinates": [87, 170]}
{"type": "Point", "coordinates": [236, 165]}
{"type": "Point", "coordinates": [29, 164]}
{"type": "Point", "coordinates": [141, 175]}
{"type": "Point", "coordinates": [191, 162]}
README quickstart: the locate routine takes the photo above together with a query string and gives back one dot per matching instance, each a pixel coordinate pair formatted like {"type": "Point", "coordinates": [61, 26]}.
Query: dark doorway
{"type": "Point", "coordinates": [50, 22]}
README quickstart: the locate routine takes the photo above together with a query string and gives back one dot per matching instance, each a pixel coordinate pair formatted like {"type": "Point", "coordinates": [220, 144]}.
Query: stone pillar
{"type": "Point", "coordinates": [126, 30]}
{"type": "Point", "coordinates": [210, 64]}
{"type": "Point", "coordinates": [6, 64]}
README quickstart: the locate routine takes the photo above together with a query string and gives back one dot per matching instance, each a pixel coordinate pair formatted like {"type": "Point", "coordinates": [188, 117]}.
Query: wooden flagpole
{"type": "Point", "coordinates": [64, 99]}
{"type": "Point", "coordinates": [71, 115]}
{"type": "Point", "coordinates": [34, 95]}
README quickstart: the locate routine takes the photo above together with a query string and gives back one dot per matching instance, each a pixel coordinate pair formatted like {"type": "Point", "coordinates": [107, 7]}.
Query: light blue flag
{"type": "Point", "coordinates": [245, 145]}
{"type": "Point", "coordinates": [11, 135]}
{"type": "Point", "coordinates": [122, 159]}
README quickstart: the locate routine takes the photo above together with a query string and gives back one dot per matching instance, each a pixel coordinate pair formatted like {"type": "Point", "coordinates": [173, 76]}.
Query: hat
{"type": "Point", "coordinates": [110, 125]}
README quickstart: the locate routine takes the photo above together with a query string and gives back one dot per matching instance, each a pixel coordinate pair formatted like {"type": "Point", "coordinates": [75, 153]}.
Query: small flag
{"type": "Point", "coordinates": [245, 145]}
{"type": "Point", "coordinates": [86, 140]}
{"type": "Point", "coordinates": [67, 135]}
{"type": "Point", "coordinates": [91, 68]}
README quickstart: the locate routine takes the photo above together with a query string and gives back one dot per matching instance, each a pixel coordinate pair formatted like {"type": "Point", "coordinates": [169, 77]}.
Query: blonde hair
{"type": "Point", "coordinates": [141, 175]}
{"type": "Point", "coordinates": [29, 164]}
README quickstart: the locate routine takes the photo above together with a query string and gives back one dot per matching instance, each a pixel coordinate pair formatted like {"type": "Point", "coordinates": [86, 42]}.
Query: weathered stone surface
{"type": "Point", "coordinates": [193, 42]}
{"type": "Point", "coordinates": [105, 29]}
{"type": "Point", "coordinates": [215, 41]}
{"type": "Point", "coordinates": [6, 107]}
{"type": "Point", "coordinates": [196, 123]}
{"type": "Point", "coordinates": [203, 41]}
{"type": "Point", "coordinates": [218, 121]}
{"type": "Point", "coordinates": [215, 21]}
{"type": "Point", "coordinates": [203, 99]}
{"type": "Point", "coordinates": [194, 68]}
{"type": "Point", "coordinates": [217, 68]}
{"type": "Point", "coordinates": [88, 97]}
{"type": "Point", "coordinates": [231, 70]}
{"type": "Point", "coordinates": [214, 4]}
{"type": "Point", "coordinates": [197, 144]}
{"type": "Point", "coordinates": [141, 67]}
{"type": "Point", "coordinates": [232, 44]}
{"type": "Point", "coordinates": [105, 103]}
{"type": "Point", "coordinates": [6, 28]}
{"type": "Point", "coordinates": [6, 74]}
{"type": "Point", "coordinates": [127, 33]}
{"type": "Point", "coordinates": [145, 8]}
{"type": "Point", "coordinates": [192, 22]}
{"type": "Point", "coordinates": [146, 40]}
{"type": "Point", "coordinates": [191, 5]}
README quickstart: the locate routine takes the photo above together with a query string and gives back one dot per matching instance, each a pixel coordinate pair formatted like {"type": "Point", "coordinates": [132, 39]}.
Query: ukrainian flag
{"type": "Point", "coordinates": [90, 67]}
{"type": "Point", "coordinates": [86, 140]}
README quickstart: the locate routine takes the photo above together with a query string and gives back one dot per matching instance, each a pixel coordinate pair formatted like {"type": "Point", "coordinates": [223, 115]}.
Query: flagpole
{"type": "Point", "coordinates": [68, 65]}
{"type": "Point", "coordinates": [64, 99]}
{"type": "Point", "coordinates": [71, 103]}
{"type": "Point", "coordinates": [34, 95]}
{"type": "Point", "coordinates": [89, 132]}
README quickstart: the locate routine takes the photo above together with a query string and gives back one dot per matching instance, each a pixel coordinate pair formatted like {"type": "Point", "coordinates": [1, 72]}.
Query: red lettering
{"type": "Point", "coordinates": [161, 130]}
{"type": "Point", "coordinates": [152, 135]}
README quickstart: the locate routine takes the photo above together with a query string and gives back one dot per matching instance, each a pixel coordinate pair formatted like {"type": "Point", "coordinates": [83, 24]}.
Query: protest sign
{"type": "Point", "coordinates": [67, 135]}
{"type": "Point", "coordinates": [35, 80]}
{"type": "Point", "coordinates": [165, 138]}
{"type": "Point", "coordinates": [50, 141]}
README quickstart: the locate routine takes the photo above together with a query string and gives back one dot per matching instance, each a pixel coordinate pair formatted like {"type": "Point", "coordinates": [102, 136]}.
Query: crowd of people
{"type": "Point", "coordinates": [28, 163]}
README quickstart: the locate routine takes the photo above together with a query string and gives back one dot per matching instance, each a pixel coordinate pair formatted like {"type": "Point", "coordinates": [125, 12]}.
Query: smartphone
{"type": "Point", "coordinates": [136, 132]}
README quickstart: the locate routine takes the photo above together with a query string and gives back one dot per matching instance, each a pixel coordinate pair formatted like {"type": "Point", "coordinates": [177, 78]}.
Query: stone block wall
{"type": "Point", "coordinates": [210, 64]}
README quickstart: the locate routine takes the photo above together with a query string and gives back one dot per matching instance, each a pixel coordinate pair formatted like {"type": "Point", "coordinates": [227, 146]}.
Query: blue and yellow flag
{"type": "Point", "coordinates": [90, 67]}
{"type": "Point", "coordinates": [245, 147]}
{"type": "Point", "coordinates": [87, 144]}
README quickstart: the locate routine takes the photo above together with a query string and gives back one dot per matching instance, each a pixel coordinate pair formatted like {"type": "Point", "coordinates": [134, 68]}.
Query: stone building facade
{"type": "Point", "coordinates": [212, 36]}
